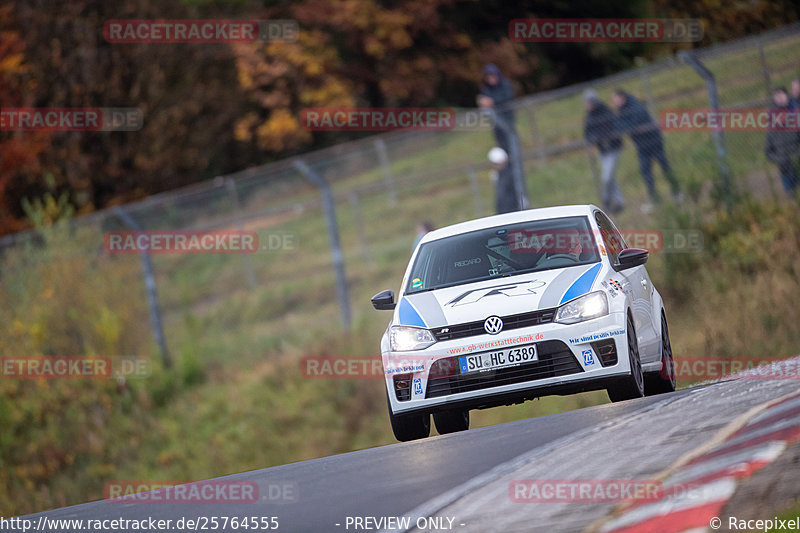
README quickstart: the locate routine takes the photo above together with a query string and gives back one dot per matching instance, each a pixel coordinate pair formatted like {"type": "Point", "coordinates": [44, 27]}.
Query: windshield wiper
{"type": "Point", "coordinates": [423, 290]}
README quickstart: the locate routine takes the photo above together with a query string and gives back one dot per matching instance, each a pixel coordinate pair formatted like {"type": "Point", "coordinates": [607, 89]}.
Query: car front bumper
{"type": "Point", "coordinates": [571, 358]}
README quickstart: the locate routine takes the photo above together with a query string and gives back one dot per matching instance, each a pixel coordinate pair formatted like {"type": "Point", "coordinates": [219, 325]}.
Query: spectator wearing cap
{"type": "Point", "coordinates": [633, 119]}
{"type": "Point", "coordinates": [506, 199]}
{"type": "Point", "coordinates": [497, 93]}
{"type": "Point", "coordinates": [599, 130]}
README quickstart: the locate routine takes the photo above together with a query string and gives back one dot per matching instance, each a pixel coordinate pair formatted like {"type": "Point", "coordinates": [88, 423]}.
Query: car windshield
{"type": "Point", "coordinates": [502, 251]}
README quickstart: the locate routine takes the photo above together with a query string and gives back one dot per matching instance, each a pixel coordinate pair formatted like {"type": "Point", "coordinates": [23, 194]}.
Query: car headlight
{"type": "Point", "coordinates": [405, 338]}
{"type": "Point", "coordinates": [592, 305]}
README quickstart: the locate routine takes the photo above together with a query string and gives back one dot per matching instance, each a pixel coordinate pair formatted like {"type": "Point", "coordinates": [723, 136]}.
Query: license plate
{"type": "Point", "coordinates": [498, 359]}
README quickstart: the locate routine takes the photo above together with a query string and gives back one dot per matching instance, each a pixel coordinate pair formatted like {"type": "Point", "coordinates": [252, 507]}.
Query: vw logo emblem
{"type": "Point", "coordinates": [493, 325]}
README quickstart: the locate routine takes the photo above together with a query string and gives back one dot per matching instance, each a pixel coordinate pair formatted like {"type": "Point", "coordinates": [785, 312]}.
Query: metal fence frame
{"type": "Point", "coordinates": [330, 167]}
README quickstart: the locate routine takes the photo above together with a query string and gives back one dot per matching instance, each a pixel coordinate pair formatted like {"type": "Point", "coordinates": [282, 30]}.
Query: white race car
{"type": "Point", "coordinates": [508, 308]}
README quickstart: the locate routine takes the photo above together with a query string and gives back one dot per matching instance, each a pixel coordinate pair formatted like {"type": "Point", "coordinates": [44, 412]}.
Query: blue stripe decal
{"type": "Point", "coordinates": [408, 315]}
{"type": "Point", "coordinates": [582, 285]}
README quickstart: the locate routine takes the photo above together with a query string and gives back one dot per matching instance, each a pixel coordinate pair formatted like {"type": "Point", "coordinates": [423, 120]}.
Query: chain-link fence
{"type": "Point", "coordinates": [380, 188]}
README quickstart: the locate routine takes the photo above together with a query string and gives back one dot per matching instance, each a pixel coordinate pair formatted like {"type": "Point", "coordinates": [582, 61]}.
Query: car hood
{"type": "Point", "coordinates": [499, 296]}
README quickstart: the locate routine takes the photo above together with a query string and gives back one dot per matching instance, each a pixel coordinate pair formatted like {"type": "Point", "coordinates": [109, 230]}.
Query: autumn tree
{"type": "Point", "coordinates": [19, 153]}
{"type": "Point", "coordinates": [188, 93]}
{"type": "Point", "coordinates": [210, 109]}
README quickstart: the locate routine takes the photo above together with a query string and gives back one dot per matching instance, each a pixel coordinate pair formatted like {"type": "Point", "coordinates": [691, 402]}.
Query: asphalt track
{"type": "Point", "coordinates": [424, 477]}
{"type": "Point", "coordinates": [384, 481]}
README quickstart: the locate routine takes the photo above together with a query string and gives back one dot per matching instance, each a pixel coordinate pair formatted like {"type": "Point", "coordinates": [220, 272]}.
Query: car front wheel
{"type": "Point", "coordinates": [663, 381]}
{"type": "Point", "coordinates": [410, 426]}
{"type": "Point", "coordinates": [451, 421]}
{"type": "Point", "coordinates": [631, 386]}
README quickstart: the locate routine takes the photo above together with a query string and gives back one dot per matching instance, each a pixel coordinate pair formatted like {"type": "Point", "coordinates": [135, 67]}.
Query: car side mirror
{"type": "Point", "coordinates": [383, 301]}
{"type": "Point", "coordinates": [631, 257]}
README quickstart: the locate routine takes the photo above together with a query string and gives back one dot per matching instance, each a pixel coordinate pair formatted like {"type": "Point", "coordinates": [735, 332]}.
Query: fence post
{"type": "Point", "coordinates": [764, 68]}
{"type": "Point", "coordinates": [476, 192]}
{"type": "Point", "coordinates": [598, 180]}
{"type": "Point", "coordinates": [648, 90]}
{"type": "Point", "coordinates": [771, 180]}
{"type": "Point", "coordinates": [150, 288]}
{"type": "Point", "coordinates": [515, 160]}
{"type": "Point", "coordinates": [329, 205]}
{"type": "Point", "coordinates": [537, 139]}
{"type": "Point", "coordinates": [359, 222]}
{"type": "Point", "coordinates": [383, 159]}
{"type": "Point", "coordinates": [230, 184]}
{"type": "Point", "coordinates": [717, 134]}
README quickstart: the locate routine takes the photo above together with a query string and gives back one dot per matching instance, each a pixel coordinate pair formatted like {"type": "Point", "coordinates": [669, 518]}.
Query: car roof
{"type": "Point", "coordinates": [510, 218]}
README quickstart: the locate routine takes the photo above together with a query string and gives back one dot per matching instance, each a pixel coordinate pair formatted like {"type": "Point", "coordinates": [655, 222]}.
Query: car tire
{"type": "Point", "coordinates": [631, 386]}
{"type": "Point", "coordinates": [410, 426]}
{"type": "Point", "coordinates": [663, 381]}
{"type": "Point", "coordinates": [451, 421]}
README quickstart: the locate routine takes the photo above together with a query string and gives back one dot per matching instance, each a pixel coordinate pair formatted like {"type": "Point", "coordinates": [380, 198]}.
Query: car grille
{"type": "Point", "coordinates": [555, 359]}
{"type": "Point", "coordinates": [469, 329]}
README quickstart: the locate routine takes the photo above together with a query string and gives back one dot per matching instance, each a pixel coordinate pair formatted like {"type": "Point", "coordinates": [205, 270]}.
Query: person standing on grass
{"type": "Point", "coordinates": [497, 93]}
{"type": "Point", "coordinates": [506, 199]}
{"type": "Point", "coordinates": [599, 130]}
{"type": "Point", "coordinates": [633, 119]}
{"type": "Point", "coordinates": [783, 145]}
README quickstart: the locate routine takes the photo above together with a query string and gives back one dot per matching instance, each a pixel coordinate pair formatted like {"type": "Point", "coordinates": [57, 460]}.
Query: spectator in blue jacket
{"type": "Point", "coordinates": [599, 130]}
{"type": "Point", "coordinates": [497, 93]}
{"type": "Point", "coordinates": [634, 120]}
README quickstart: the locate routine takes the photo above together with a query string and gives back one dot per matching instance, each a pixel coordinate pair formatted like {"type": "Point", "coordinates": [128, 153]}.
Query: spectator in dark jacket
{"type": "Point", "coordinates": [599, 129]}
{"type": "Point", "coordinates": [782, 146]}
{"type": "Point", "coordinates": [633, 119]}
{"type": "Point", "coordinates": [497, 93]}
